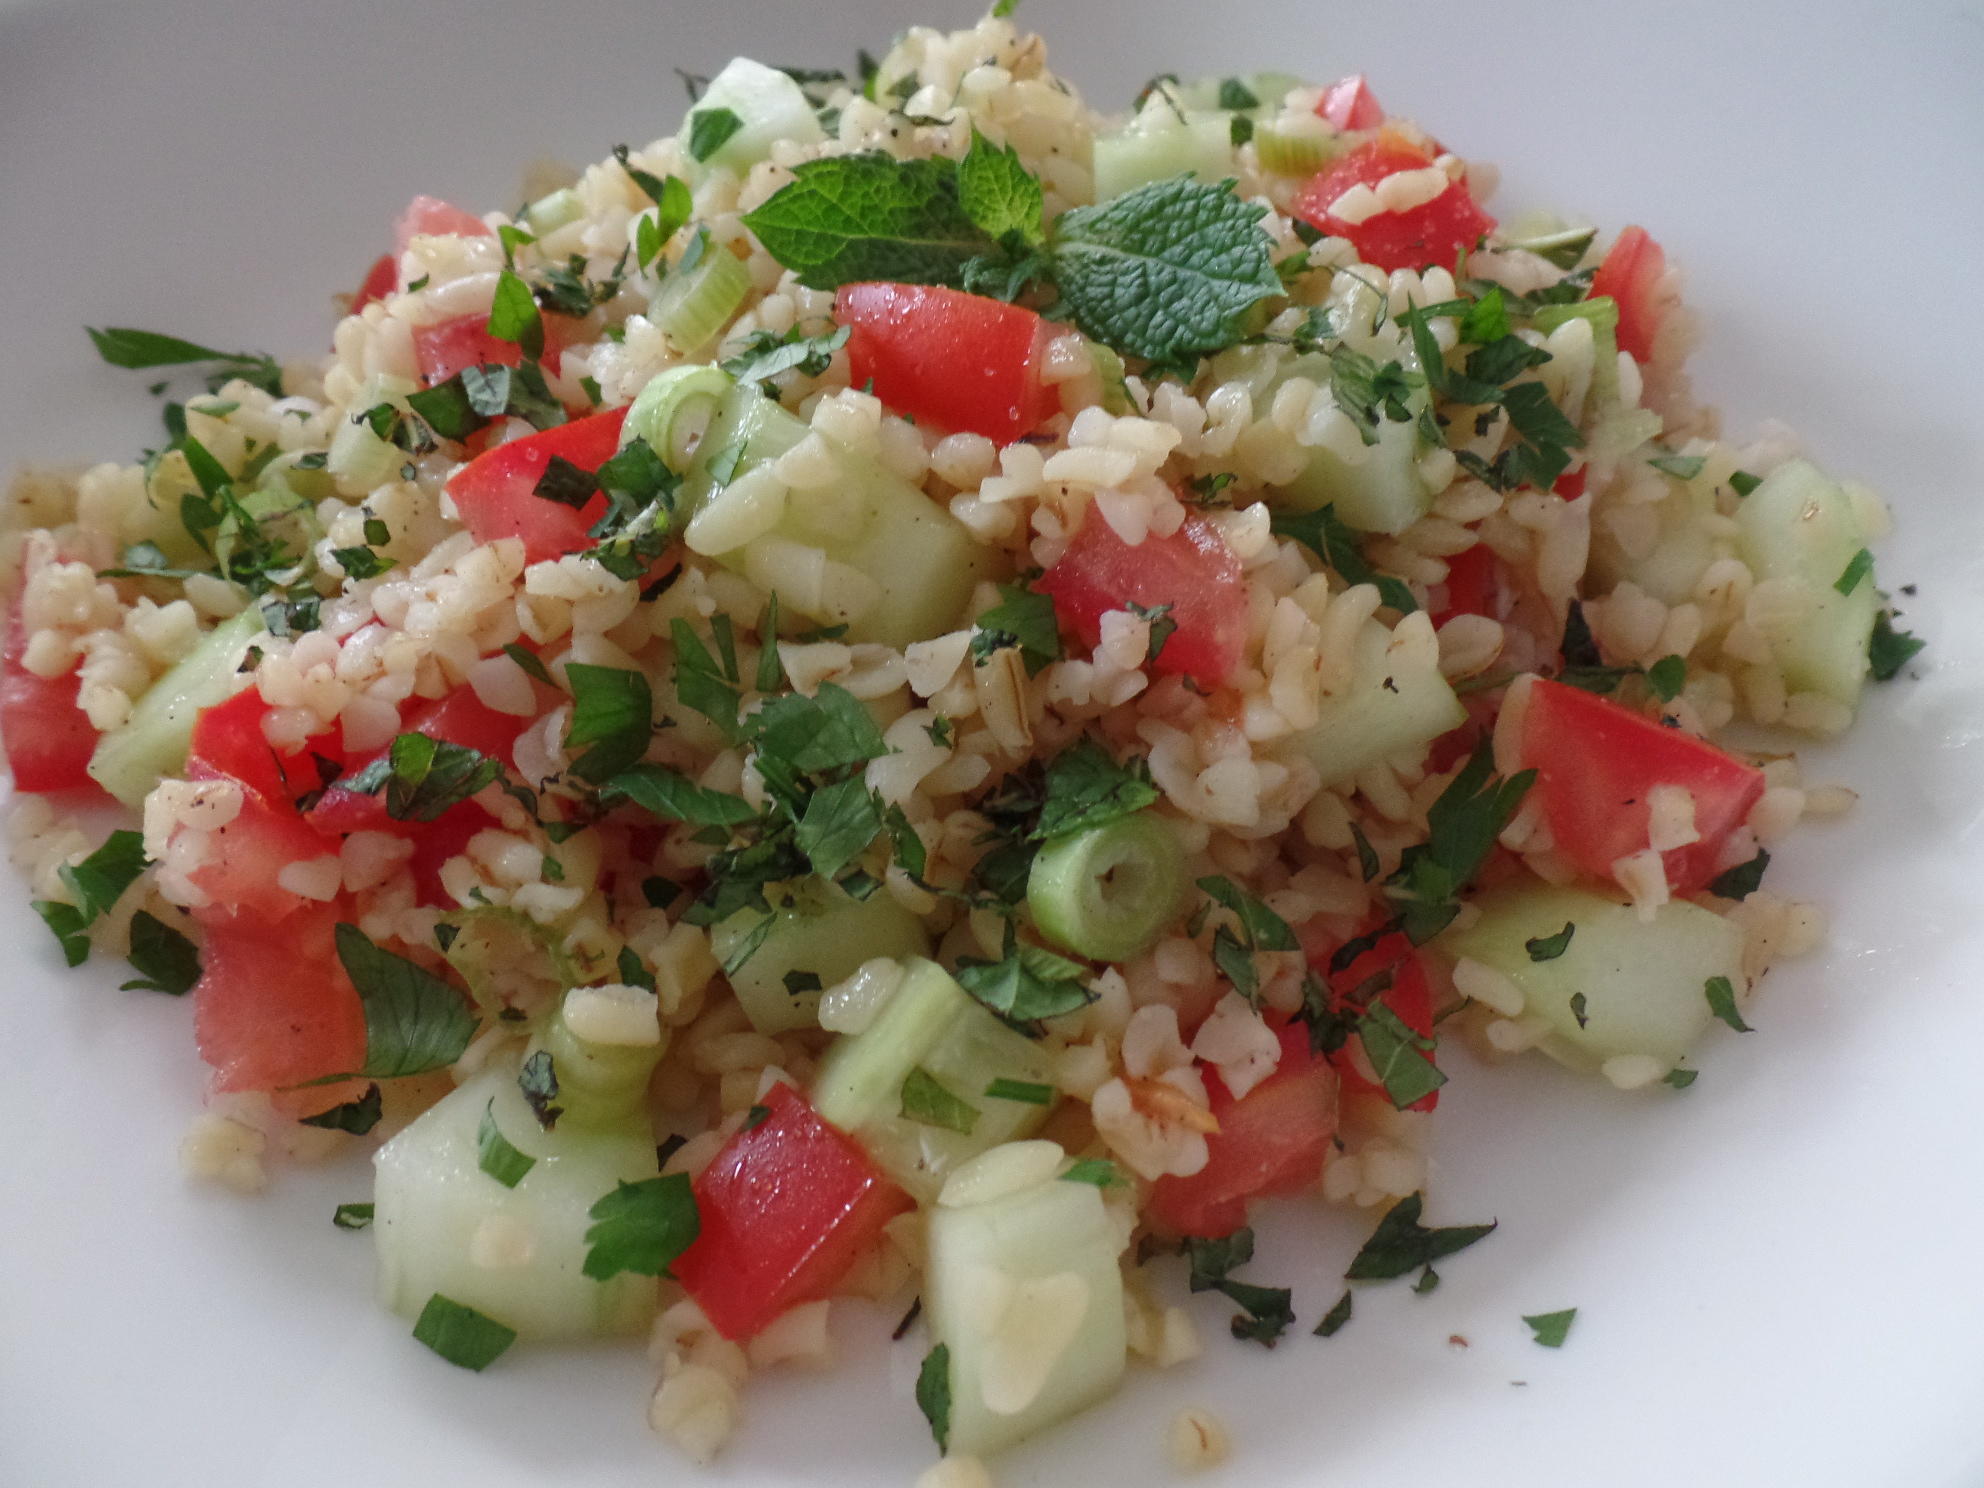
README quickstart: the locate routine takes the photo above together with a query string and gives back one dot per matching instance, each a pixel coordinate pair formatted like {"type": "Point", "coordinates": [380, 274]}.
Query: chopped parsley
{"type": "Point", "coordinates": [123, 346]}
{"type": "Point", "coordinates": [1401, 1057]}
{"type": "Point", "coordinates": [1462, 826]}
{"type": "Point", "coordinates": [1335, 1318]}
{"type": "Point", "coordinates": [495, 1154]}
{"type": "Point", "coordinates": [537, 1080]}
{"type": "Point", "coordinates": [926, 1102]}
{"type": "Point", "coordinates": [1259, 929]}
{"type": "Point", "coordinates": [1679, 1078]}
{"type": "Point", "coordinates": [355, 1116]}
{"type": "Point", "coordinates": [1401, 1244]}
{"type": "Point", "coordinates": [1721, 994]}
{"type": "Point", "coordinates": [671, 795]}
{"type": "Point", "coordinates": [641, 1227]}
{"type": "Point", "coordinates": [613, 712]}
{"type": "Point", "coordinates": [1086, 788]}
{"type": "Point", "coordinates": [1337, 546]}
{"type": "Point", "coordinates": [1551, 1328]}
{"type": "Point", "coordinates": [165, 960]}
{"type": "Point", "coordinates": [1024, 619]}
{"type": "Point", "coordinates": [97, 882]}
{"type": "Point", "coordinates": [1099, 1172]}
{"type": "Point", "coordinates": [767, 354]}
{"type": "Point", "coordinates": [352, 1216]}
{"type": "Point", "coordinates": [461, 1335]}
{"type": "Point", "coordinates": [933, 1394]}
{"type": "Point", "coordinates": [1743, 880]}
{"type": "Point", "coordinates": [1550, 947]}
{"type": "Point", "coordinates": [710, 129]}
{"type": "Point", "coordinates": [1027, 984]}
{"type": "Point", "coordinates": [424, 777]}
{"type": "Point", "coordinates": [1578, 1006]}
{"type": "Point", "coordinates": [1889, 650]}
{"type": "Point", "coordinates": [1266, 1312]}
{"type": "Point", "coordinates": [1666, 677]}
{"type": "Point", "coordinates": [414, 1021]}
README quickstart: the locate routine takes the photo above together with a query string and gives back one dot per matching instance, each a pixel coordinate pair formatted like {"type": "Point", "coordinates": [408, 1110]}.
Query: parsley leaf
{"type": "Point", "coordinates": [414, 1021]}
{"type": "Point", "coordinates": [1021, 618]}
{"type": "Point", "coordinates": [1168, 269]}
{"type": "Point", "coordinates": [1721, 994]}
{"type": "Point", "coordinates": [352, 1216]}
{"type": "Point", "coordinates": [672, 795]}
{"type": "Point", "coordinates": [933, 1393]}
{"type": "Point", "coordinates": [1399, 1056]}
{"type": "Point", "coordinates": [424, 777]}
{"type": "Point", "coordinates": [1086, 788]}
{"type": "Point", "coordinates": [1162, 627]}
{"type": "Point", "coordinates": [613, 711]}
{"type": "Point", "coordinates": [641, 1227]}
{"type": "Point", "coordinates": [927, 1102]}
{"type": "Point", "coordinates": [97, 882]}
{"type": "Point", "coordinates": [1679, 1078]}
{"type": "Point", "coordinates": [1551, 1328]}
{"type": "Point", "coordinates": [1335, 1318]}
{"type": "Point", "coordinates": [1401, 1244]}
{"type": "Point", "coordinates": [1267, 1313]}
{"type": "Point", "coordinates": [461, 1335]}
{"type": "Point", "coordinates": [1550, 947]}
{"type": "Point", "coordinates": [537, 1079]}
{"type": "Point", "coordinates": [1888, 649]}
{"type": "Point", "coordinates": [165, 960]}
{"type": "Point", "coordinates": [355, 1116]}
{"type": "Point", "coordinates": [710, 129]}
{"type": "Point", "coordinates": [513, 315]}
{"type": "Point", "coordinates": [766, 355]}
{"type": "Point", "coordinates": [1743, 880]}
{"type": "Point", "coordinates": [840, 821]}
{"type": "Point", "coordinates": [1462, 824]}
{"type": "Point", "coordinates": [123, 346]}
{"type": "Point", "coordinates": [1330, 540]}
{"type": "Point", "coordinates": [796, 735]}
{"type": "Point", "coordinates": [494, 1153]}
{"type": "Point", "coordinates": [1027, 985]}
{"type": "Point", "coordinates": [849, 218]}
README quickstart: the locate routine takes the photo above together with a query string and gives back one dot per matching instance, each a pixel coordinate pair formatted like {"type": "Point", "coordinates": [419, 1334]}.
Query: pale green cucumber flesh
{"type": "Point", "coordinates": [1799, 525]}
{"type": "Point", "coordinates": [823, 936]}
{"type": "Point", "coordinates": [151, 744]}
{"type": "Point", "coordinates": [1389, 708]}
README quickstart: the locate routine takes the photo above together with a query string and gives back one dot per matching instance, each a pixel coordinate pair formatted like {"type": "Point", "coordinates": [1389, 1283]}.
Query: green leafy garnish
{"type": "Point", "coordinates": [767, 354]}
{"type": "Point", "coordinates": [461, 1335]}
{"type": "Point", "coordinates": [1335, 1318]}
{"type": "Point", "coordinates": [1260, 929]}
{"type": "Point", "coordinates": [1679, 1078]}
{"type": "Point", "coordinates": [840, 821]}
{"type": "Point", "coordinates": [933, 1394]}
{"type": "Point", "coordinates": [671, 795]}
{"type": "Point", "coordinates": [1551, 1328]}
{"type": "Point", "coordinates": [999, 194]}
{"type": "Point", "coordinates": [1858, 567]}
{"type": "Point", "coordinates": [1401, 1244]}
{"type": "Point", "coordinates": [1666, 677]}
{"type": "Point", "coordinates": [352, 1216]}
{"type": "Point", "coordinates": [613, 712]}
{"type": "Point", "coordinates": [1741, 881]}
{"type": "Point", "coordinates": [1024, 619]}
{"type": "Point", "coordinates": [414, 1021]}
{"type": "Point", "coordinates": [537, 1081]}
{"type": "Point", "coordinates": [424, 777]}
{"type": "Point", "coordinates": [1681, 467]}
{"type": "Point", "coordinates": [355, 1116]}
{"type": "Point", "coordinates": [1721, 994]}
{"type": "Point", "coordinates": [122, 346]}
{"type": "Point", "coordinates": [513, 315]}
{"type": "Point", "coordinates": [165, 960]}
{"type": "Point", "coordinates": [494, 1153]}
{"type": "Point", "coordinates": [1550, 947]}
{"type": "Point", "coordinates": [1743, 483]}
{"type": "Point", "coordinates": [1027, 1092]}
{"type": "Point", "coordinates": [1027, 985]}
{"type": "Point", "coordinates": [1337, 546]}
{"type": "Point", "coordinates": [1429, 1280]}
{"type": "Point", "coordinates": [1578, 1005]}
{"type": "Point", "coordinates": [1888, 649]}
{"type": "Point", "coordinates": [97, 882]}
{"type": "Point", "coordinates": [641, 1227]}
{"type": "Point", "coordinates": [1266, 1310]}
{"type": "Point", "coordinates": [850, 218]}
{"type": "Point", "coordinates": [1402, 1058]}
{"type": "Point", "coordinates": [1099, 1172]}
{"type": "Point", "coordinates": [927, 1102]}
{"type": "Point", "coordinates": [710, 129]}
{"type": "Point", "coordinates": [1462, 826]}
{"type": "Point", "coordinates": [1086, 788]}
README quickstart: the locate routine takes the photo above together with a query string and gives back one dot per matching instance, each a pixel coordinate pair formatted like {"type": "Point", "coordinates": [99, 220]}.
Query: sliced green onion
{"type": "Point", "coordinates": [1285, 154]}
{"type": "Point", "coordinates": [1106, 893]}
{"type": "Point", "coordinates": [675, 410]}
{"type": "Point", "coordinates": [694, 305]}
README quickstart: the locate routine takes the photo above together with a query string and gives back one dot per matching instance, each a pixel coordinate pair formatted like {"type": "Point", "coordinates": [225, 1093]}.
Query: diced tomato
{"type": "Point", "coordinates": [787, 1206]}
{"type": "Point", "coordinates": [429, 216]}
{"type": "Point", "coordinates": [380, 280]}
{"type": "Point", "coordinates": [1631, 275]}
{"type": "Point", "coordinates": [496, 491]}
{"type": "Point", "coordinates": [273, 1007]}
{"type": "Point", "coordinates": [451, 346]}
{"type": "Point", "coordinates": [48, 737]}
{"type": "Point", "coordinates": [1474, 584]}
{"type": "Point", "coordinates": [437, 841]}
{"type": "Point", "coordinates": [1570, 485]}
{"type": "Point", "coordinates": [245, 860]}
{"type": "Point", "coordinates": [1434, 232]}
{"type": "Point", "coordinates": [1350, 104]}
{"type": "Point", "coordinates": [1407, 994]}
{"type": "Point", "coordinates": [1272, 1140]}
{"type": "Point", "coordinates": [1193, 571]}
{"type": "Point", "coordinates": [1596, 762]}
{"type": "Point", "coordinates": [961, 362]}
{"type": "Point", "coordinates": [228, 743]}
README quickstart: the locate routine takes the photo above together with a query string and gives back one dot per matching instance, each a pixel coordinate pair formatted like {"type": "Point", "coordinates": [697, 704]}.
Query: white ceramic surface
{"type": "Point", "coordinates": [1775, 1270]}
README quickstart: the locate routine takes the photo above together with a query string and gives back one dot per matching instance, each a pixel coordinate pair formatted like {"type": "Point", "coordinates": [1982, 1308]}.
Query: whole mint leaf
{"type": "Point", "coordinates": [851, 218]}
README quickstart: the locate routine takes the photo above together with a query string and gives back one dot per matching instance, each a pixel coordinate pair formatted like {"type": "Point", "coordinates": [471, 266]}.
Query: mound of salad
{"type": "Point", "coordinates": [913, 692]}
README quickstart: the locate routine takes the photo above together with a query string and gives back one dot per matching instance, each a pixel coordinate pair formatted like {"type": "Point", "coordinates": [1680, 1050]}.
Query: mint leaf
{"type": "Point", "coordinates": [933, 1393]}
{"type": "Point", "coordinates": [414, 1021]}
{"type": "Point", "coordinates": [1337, 546]}
{"type": "Point", "coordinates": [1741, 881]}
{"type": "Point", "coordinates": [513, 315]}
{"type": "Point", "coordinates": [1087, 788]}
{"type": "Point", "coordinates": [710, 130]}
{"type": "Point", "coordinates": [424, 777]}
{"type": "Point", "coordinates": [840, 821]}
{"type": "Point", "coordinates": [1021, 618]}
{"type": "Point", "coordinates": [1401, 1244]}
{"type": "Point", "coordinates": [1027, 985]}
{"type": "Point", "coordinates": [352, 1216]}
{"type": "Point", "coordinates": [1404, 1066]}
{"type": "Point", "coordinates": [1551, 1328]}
{"type": "Point", "coordinates": [998, 193]}
{"type": "Point", "coordinates": [613, 711]}
{"type": "Point", "coordinates": [870, 216]}
{"type": "Point", "coordinates": [1166, 270]}
{"type": "Point", "coordinates": [1550, 947]}
{"type": "Point", "coordinates": [355, 1116]}
{"type": "Point", "coordinates": [165, 960]}
{"type": "Point", "coordinates": [1889, 649]}
{"type": "Point", "coordinates": [926, 1102]}
{"type": "Point", "coordinates": [1721, 994]}
{"type": "Point", "coordinates": [673, 796]}
{"type": "Point", "coordinates": [100, 880]}
{"type": "Point", "coordinates": [767, 354]}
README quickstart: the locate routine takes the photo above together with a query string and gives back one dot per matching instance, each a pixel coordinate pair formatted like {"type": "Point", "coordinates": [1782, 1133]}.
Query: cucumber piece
{"type": "Point", "coordinates": [1799, 525]}
{"type": "Point", "coordinates": [769, 107]}
{"type": "Point", "coordinates": [1603, 313]}
{"type": "Point", "coordinates": [1642, 981]}
{"type": "Point", "coordinates": [822, 931]}
{"type": "Point", "coordinates": [151, 743]}
{"type": "Point", "coordinates": [1107, 892]}
{"type": "Point", "coordinates": [1397, 702]}
{"type": "Point", "coordinates": [1376, 487]}
{"type": "Point", "coordinates": [1158, 146]}
{"type": "Point", "coordinates": [915, 563]}
{"type": "Point", "coordinates": [359, 460]}
{"type": "Point", "coordinates": [1268, 88]}
{"type": "Point", "coordinates": [553, 210]}
{"type": "Point", "coordinates": [517, 1255]}
{"type": "Point", "coordinates": [930, 1023]}
{"type": "Point", "coordinates": [1024, 1293]}
{"type": "Point", "coordinates": [1295, 153]}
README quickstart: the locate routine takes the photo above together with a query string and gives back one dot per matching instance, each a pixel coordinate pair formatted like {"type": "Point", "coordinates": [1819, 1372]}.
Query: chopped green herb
{"type": "Point", "coordinates": [461, 1335]}
{"type": "Point", "coordinates": [1337, 546]}
{"type": "Point", "coordinates": [1679, 1078]}
{"type": "Point", "coordinates": [1858, 568]}
{"type": "Point", "coordinates": [840, 821]}
{"type": "Point", "coordinates": [641, 1227]}
{"type": "Point", "coordinates": [1097, 1171]}
{"type": "Point", "coordinates": [1681, 467]}
{"type": "Point", "coordinates": [798, 983]}
{"type": "Point", "coordinates": [513, 315]}
{"type": "Point", "coordinates": [122, 346]}
{"type": "Point", "coordinates": [1368, 866]}
{"type": "Point", "coordinates": [613, 712]}
{"type": "Point", "coordinates": [414, 1021]}
{"type": "Point", "coordinates": [1025, 1091]}
{"type": "Point", "coordinates": [424, 777]}
{"type": "Point", "coordinates": [355, 1116]}
{"type": "Point", "coordinates": [1267, 1313]}
{"type": "Point", "coordinates": [1463, 824]}
{"type": "Point", "coordinates": [352, 1216]}
{"type": "Point", "coordinates": [927, 1102]}
{"type": "Point", "coordinates": [701, 683]}
{"type": "Point", "coordinates": [1551, 1328]}
{"type": "Point", "coordinates": [1027, 985]}
{"type": "Point", "coordinates": [532, 665]}
{"type": "Point", "coordinates": [672, 796]}
{"type": "Point", "coordinates": [1666, 677]}
{"type": "Point", "coordinates": [1402, 1058]}
{"type": "Point", "coordinates": [933, 1394]}
{"type": "Point", "coordinates": [495, 1154]}
{"type": "Point", "coordinates": [710, 129]}
{"type": "Point", "coordinates": [1086, 788]}
{"type": "Point", "coordinates": [1022, 618]}
{"type": "Point", "coordinates": [1743, 880]}
{"type": "Point", "coordinates": [165, 960]}
{"type": "Point", "coordinates": [1429, 1280]}
{"type": "Point", "coordinates": [537, 1079]}
{"type": "Point", "coordinates": [1578, 1012]}
{"type": "Point", "coordinates": [850, 218]}
{"type": "Point", "coordinates": [97, 882]}
{"type": "Point", "coordinates": [768, 354]}
{"type": "Point", "coordinates": [1888, 649]}
{"type": "Point", "coordinates": [1335, 1318]}
{"type": "Point", "coordinates": [1743, 483]}
{"type": "Point", "coordinates": [1162, 627]}
{"type": "Point", "coordinates": [1550, 947]}
{"type": "Point", "coordinates": [1401, 1244]}
{"type": "Point", "coordinates": [1721, 994]}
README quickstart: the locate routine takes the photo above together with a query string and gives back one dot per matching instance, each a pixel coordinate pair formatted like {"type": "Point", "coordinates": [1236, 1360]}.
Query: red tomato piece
{"type": "Point", "coordinates": [1474, 585]}
{"type": "Point", "coordinates": [496, 491]}
{"type": "Point", "coordinates": [1434, 232]}
{"type": "Point", "coordinates": [380, 280]}
{"type": "Point", "coordinates": [787, 1206]}
{"type": "Point", "coordinates": [1631, 274]}
{"type": "Point", "coordinates": [1409, 996]}
{"type": "Point", "coordinates": [247, 857]}
{"type": "Point", "coordinates": [1350, 104]}
{"type": "Point", "coordinates": [1193, 571]}
{"type": "Point", "coordinates": [459, 718]}
{"type": "Point", "coordinates": [448, 837]}
{"type": "Point", "coordinates": [1570, 485]}
{"type": "Point", "coordinates": [429, 217]}
{"type": "Point", "coordinates": [1274, 1139]}
{"type": "Point", "coordinates": [48, 737]}
{"type": "Point", "coordinates": [1595, 764]}
{"type": "Point", "coordinates": [451, 346]}
{"type": "Point", "coordinates": [960, 361]}
{"type": "Point", "coordinates": [273, 1007]}
{"type": "Point", "coordinates": [228, 743]}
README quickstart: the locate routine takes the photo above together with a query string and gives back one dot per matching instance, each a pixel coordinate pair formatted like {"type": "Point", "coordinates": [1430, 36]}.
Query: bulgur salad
{"type": "Point", "coordinates": [913, 692]}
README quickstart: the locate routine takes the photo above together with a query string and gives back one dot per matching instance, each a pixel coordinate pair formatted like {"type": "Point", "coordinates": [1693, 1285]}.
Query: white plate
{"type": "Point", "coordinates": [1775, 1271]}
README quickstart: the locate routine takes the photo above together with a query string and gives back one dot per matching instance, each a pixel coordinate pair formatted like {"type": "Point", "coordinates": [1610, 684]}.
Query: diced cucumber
{"type": "Point", "coordinates": [1107, 892]}
{"type": "Point", "coordinates": [1268, 88]}
{"type": "Point", "coordinates": [823, 932]}
{"type": "Point", "coordinates": [151, 743]}
{"type": "Point", "coordinates": [769, 107]}
{"type": "Point", "coordinates": [1799, 525]}
{"type": "Point", "coordinates": [1374, 487]}
{"type": "Point", "coordinates": [359, 460]}
{"type": "Point", "coordinates": [553, 210]}
{"type": "Point", "coordinates": [929, 1023]}
{"type": "Point", "coordinates": [1603, 313]}
{"type": "Point", "coordinates": [921, 562]}
{"type": "Point", "coordinates": [1642, 981]}
{"type": "Point", "coordinates": [517, 1255]}
{"type": "Point", "coordinates": [1159, 145]}
{"type": "Point", "coordinates": [1397, 702]}
{"type": "Point", "coordinates": [1024, 1293]}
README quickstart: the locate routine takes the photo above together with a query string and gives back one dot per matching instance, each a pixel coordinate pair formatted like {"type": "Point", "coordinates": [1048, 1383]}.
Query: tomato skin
{"type": "Point", "coordinates": [228, 743]}
{"type": "Point", "coordinates": [380, 280]}
{"type": "Point", "coordinates": [48, 737]}
{"type": "Point", "coordinates": [1409, 996]}
{"type": "Point", "coordinates": [1595, 763]}
{"type": "Point", "coordinates": [1274, 1139]}
{"type": "Point", "coordinates": [1350, 104]}
{"type": "Point", "coordinates": [1631, 274]}
{"type": "Point", "coordinates": [1192, 570]}
{"type": "Point", "coordinates": [452, 346]}
{"type": "Point", "coordinates": [273, 1007]}
{"type": "Point", "coordinates": [429, 216]}
{"type": "Point", "coordinates": [962, 362]}
{"type": "Point", "coordinates": [1433, 232]}
{"type": "Point", "coordinates": [787, 1206]}
{"type": "Point", "coordinates": [494, 491]}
